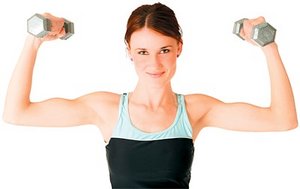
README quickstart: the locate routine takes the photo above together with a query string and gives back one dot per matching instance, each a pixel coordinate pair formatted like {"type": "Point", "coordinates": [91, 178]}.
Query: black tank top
{"type": "Point", "coordinates": [150, 160]}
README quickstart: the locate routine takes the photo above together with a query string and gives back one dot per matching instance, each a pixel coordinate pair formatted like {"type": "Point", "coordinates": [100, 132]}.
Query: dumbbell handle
{"type": "Point", "coordinates": [40, 26]}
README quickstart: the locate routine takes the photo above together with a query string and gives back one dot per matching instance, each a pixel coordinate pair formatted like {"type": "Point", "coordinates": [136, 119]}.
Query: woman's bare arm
{"type": "Point", "coordinates": [20, 110]}
{"type": "Point", "coordinates": [280, 115]}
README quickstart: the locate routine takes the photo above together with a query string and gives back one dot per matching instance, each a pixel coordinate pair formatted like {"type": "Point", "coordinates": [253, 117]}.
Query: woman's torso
{"type": "Point", "coordinates": [138, 159]}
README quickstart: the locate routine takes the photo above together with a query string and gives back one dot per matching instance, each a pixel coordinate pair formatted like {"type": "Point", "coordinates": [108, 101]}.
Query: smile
{"type": "Point", "coordinates": [155, 75]}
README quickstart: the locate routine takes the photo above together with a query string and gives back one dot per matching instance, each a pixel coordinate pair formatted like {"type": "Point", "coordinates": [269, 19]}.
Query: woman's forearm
{"type": "Point", "coordinates": [18, 93]}
{"type": "Point", "coordinates": [282, 98]}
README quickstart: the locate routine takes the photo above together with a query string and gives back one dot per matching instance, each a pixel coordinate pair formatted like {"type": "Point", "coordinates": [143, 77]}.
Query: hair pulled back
{"type": "Point", "coordinates": [157, 17]}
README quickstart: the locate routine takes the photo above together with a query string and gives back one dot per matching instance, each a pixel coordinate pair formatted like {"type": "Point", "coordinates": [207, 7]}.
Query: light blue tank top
{"type": "Point", "coordinates": [180, 128]}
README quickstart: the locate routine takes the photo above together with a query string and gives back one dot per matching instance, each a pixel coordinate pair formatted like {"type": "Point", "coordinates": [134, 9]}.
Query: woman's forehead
{"type": "Point", "coordinates": [148, 38]}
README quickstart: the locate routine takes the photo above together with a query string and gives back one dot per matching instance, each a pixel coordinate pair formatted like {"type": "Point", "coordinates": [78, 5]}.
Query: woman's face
{"type": "Point", "coordinates": [154, 56]}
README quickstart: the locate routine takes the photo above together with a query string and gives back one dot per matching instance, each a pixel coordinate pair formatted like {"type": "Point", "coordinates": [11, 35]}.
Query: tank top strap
{"type": "Point", "coordinates": [122, 103]}
{"type": "Point", "coordinates": [183, 118]}
{"type": "Point", "coordinates": [181, 101]}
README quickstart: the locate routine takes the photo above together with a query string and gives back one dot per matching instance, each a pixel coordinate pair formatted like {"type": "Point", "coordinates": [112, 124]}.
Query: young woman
{"type": "Point", "coordinates": [150, 131]}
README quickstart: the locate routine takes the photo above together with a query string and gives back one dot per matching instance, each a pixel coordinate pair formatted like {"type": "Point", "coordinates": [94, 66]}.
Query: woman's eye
{"type": "Point", "coordinates": [163, 51]}
{"type": "Point", "coordinates": [143, 52]}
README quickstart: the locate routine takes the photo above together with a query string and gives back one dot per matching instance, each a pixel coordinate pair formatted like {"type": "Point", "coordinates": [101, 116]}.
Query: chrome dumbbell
{"type": "Point", "coordinates": [40, 26]}
{"type": "Point", "coordinates": [263, 34]}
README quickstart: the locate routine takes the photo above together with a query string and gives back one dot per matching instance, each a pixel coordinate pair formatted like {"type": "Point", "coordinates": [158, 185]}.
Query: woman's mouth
{"type": "Point", "coordinates": [155, 74]}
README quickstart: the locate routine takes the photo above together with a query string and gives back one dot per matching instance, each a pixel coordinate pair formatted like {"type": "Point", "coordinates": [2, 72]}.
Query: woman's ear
{"type": "Point", "coordinates": [128, 52]}
{"type": "Point", "coordinates": [179, 50]}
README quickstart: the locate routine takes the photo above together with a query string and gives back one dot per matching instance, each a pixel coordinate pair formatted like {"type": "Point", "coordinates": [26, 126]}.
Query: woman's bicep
{"type": "Point", "coordinates": [241, 117]}
{"type": "Point", "coordinates": [56, 112]}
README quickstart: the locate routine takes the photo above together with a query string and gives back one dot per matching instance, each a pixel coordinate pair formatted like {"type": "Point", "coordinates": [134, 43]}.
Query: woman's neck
{"type": "Point", "coordinates": [153, 97]}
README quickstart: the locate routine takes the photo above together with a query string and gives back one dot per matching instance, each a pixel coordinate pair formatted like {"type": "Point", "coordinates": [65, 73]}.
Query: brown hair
{"type": "Point", "coordinates": [158, 17]}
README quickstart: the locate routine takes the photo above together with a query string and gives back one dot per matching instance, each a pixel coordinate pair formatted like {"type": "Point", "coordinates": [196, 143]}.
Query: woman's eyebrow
{"type": "Point", "coordinates": [166, 46]}
{"type": "Point", "coordinates": [140, 49]}
{"type": "Point", "coordinates": [144, 49]}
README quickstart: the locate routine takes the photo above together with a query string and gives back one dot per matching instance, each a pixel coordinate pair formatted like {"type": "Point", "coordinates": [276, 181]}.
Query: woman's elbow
{"type": "Point", "coordinates": [8, 119]}
{"type": "Point", "coordinates": [293, 125]}
{"type": "Point", "coordinates": [288, 125]}
{"type": "Point", "coordinates": [11, 118]}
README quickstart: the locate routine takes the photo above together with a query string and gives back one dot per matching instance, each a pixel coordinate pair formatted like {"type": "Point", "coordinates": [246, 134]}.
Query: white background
{"type": "Point", "coordinates": [213, 62]}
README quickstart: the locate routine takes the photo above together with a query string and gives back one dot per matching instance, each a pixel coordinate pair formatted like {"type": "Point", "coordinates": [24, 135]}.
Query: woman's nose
{"type": "Point", "coordinates": [154, 60]}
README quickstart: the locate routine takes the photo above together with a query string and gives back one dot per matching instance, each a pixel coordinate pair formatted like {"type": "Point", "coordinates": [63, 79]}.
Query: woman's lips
{"type": "Point", "coordinates": [155, 74]}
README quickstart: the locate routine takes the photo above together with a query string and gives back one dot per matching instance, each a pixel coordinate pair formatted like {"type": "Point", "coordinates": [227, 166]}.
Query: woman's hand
{"type": "Point", "coordinates": [57, 28]}
{"type": "Point", "coordinates": [247, 29]}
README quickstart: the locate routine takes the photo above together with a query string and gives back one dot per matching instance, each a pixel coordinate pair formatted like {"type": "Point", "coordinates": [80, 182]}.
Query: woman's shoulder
{"type": "Point", "coordinates": [101, 99]}
{"type": "Point", "coordinates": [199, 98]}
{"type": "Point", "coordinates": [199, 104]}
{"type": "Point", "coordinates": [103, 95]}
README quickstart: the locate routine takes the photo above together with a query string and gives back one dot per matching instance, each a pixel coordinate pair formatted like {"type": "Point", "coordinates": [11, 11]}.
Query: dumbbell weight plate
{"type": "Point", "coordinates": [263, 34]}
{"type": "Point", "coordinates": [238, 25]}
{"type": "Point", "coordinates": [69, 29]}
{"type": "Point", "coordinates": [38, 25]}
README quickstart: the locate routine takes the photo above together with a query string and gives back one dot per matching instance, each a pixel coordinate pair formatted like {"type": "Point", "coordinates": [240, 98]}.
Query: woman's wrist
{"type": "Point", "coordinates": [270, 47]}
{"type": "Point", "coordinates": [33, 41]}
